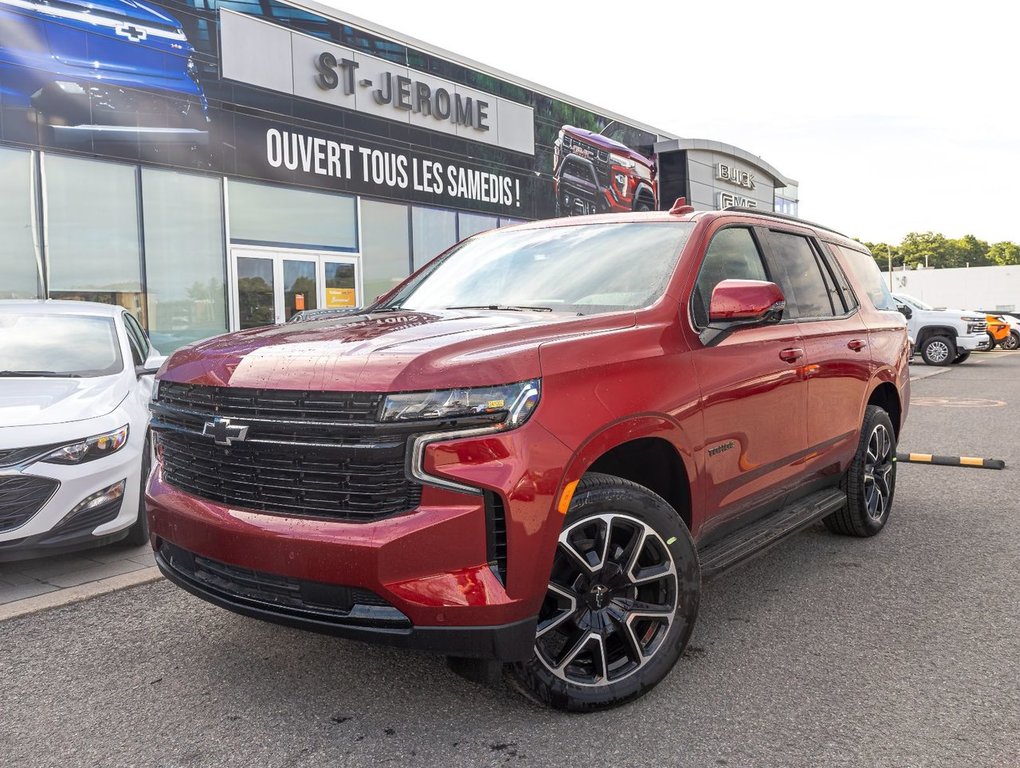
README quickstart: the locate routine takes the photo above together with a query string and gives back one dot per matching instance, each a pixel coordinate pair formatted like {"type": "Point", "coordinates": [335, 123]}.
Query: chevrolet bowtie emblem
{"type": "Point", "coordinates": [131, 32]}
{"type": "Point", "coordinates": [223, 432]}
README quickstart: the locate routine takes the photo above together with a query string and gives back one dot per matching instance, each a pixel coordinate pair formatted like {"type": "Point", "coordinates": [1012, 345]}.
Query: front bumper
{"type": "Point", "coordinates": [428, 569]}
{"type": "Point", "coordinates": [378, 624]}
{"type": "Point", "coordinates": [973, 343]}
{"type": "Point", "coordinates": [45, 528]}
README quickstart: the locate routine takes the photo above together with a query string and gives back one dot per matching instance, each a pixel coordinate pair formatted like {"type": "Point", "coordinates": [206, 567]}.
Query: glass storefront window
{"type": "Point", "coordinates": [266, 215]}
{"type": "Point", "coordinates": [433, 231]}
{"type": "Point", "coordinates": [184, 261]}
{"type": "Point", "coordinates": [92, 243]}
{"type": "Point", "coordinates": [473, 223]}
{"type": "Point", "coordinates": [385, 247]}
{"type": "Point", "coordinates": [19, 266]}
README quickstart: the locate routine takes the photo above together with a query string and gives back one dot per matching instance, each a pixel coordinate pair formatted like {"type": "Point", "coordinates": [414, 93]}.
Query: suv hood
{"type": "Point", "coordinates": [36, 402]}
{"type": "Point", "coordinates": [610, 145]}
{"type": "Point", "coordinates": [385, 351]}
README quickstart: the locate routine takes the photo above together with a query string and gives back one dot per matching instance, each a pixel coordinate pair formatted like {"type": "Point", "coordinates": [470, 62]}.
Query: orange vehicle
{"type": "Point", "coordinates": [998, 330]}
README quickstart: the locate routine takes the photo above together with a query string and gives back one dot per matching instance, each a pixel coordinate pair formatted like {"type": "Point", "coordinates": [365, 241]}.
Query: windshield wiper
{"type": "Point", "coordinates": [510, 307]}
{"type": "Point", "coordinates": [48, 374]}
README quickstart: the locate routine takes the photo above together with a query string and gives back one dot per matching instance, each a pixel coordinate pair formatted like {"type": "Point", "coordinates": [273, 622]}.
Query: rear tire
{"type": "Point", "coordinates": [1012, 341]}
{"type": "Point", "coordinates": [622, 600]}
{"type": "Point", "coordinates": [870, 482]}
{"type": "Point", "coordinates": [938, 350]}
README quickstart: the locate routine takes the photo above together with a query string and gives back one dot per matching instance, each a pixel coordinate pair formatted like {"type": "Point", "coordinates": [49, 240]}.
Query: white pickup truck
{"type": "Point", "coordinates": [943, 336]}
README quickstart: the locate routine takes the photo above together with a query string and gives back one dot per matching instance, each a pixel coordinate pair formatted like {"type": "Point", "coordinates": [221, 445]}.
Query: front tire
{"type": "Point", "coordinates": [870, 482]}
{"type": "Point", "coordinates": [938, 350]}
{"type": "Point", "coordinates": [1012, 341]}
{"type": "Point", "coordinates": [621, 602]}
{"type": "Point", "coordinates": [138, 533]}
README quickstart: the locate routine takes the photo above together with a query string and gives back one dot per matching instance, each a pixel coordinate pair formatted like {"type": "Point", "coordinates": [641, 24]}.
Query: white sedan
{"type": "Point", "coordinates": [75, 381]}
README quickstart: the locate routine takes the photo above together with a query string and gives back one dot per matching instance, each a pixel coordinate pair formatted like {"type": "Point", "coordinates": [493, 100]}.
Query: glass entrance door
{"type": "Point", "coordinates": [270, 286]}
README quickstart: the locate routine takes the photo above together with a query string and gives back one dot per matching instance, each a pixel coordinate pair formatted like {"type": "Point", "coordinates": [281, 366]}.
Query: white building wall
{"type": "Point", "coordinates": [988, 288]}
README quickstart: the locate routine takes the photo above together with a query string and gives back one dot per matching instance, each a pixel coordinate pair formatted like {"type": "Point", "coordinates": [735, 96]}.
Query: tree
{"type": "Point", "coordinates": [1005, 254]}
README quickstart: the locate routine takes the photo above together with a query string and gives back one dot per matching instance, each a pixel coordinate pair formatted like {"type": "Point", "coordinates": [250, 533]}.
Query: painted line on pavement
{"type": "Point", "coordinates": [79, 593]}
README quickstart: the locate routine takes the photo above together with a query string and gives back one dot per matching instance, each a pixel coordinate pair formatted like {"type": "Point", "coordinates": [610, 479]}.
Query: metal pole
{"type": "Point", "coordinates": [888, 252]}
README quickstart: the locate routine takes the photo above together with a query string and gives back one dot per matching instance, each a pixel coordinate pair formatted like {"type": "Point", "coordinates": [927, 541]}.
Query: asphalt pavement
{"type": "Point", "coordinates": [901, 650]}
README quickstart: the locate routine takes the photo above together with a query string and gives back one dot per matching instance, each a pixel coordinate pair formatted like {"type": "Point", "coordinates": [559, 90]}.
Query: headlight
{"type": "Point", "coordinates": [515, 402]}
{"type": "Point", "coordinates": [620, 160]}
{"type": "Point", "coordinates": [89, 449]}
{"type": "Point", "coordinates": [969, 319]}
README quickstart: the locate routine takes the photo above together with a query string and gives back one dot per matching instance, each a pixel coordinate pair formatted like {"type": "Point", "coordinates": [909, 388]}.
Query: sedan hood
{"type": "Point", "coordinates": [385, 351]}
{"type": "Point", "coordinates": [37, 402]}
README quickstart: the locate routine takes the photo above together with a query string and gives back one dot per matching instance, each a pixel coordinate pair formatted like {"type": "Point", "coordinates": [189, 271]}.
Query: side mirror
{"type": "Point", "coordinates": [152, 365]}
{"type": "Point", "coordinates": [906, 311]}
{"type": "Point", "coordinates": [742, 304]}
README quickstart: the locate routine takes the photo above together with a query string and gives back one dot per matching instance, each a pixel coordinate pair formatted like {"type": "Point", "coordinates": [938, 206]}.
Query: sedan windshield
{"type": "Point", "coordinates": [58, 346]}
{"type": "Point", "coordinates": [585, 269]}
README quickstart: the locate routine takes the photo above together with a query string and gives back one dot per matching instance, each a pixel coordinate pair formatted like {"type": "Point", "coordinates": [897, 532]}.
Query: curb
{"type": "Point", "coordinates": [79, 593]}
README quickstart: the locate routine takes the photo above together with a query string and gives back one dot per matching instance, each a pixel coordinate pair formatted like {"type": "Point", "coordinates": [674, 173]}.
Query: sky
{"type": "Point", "coordinates": [893, 116]}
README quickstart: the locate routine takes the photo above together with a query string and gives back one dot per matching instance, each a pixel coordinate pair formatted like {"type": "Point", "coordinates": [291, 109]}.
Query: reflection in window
{"type": "Point", "coordinates": [434, 230]}
{"type": "Point", "coordinates": [92, 232]}
{"type": "Point", "coordinates": [298, 287]}
{"type": "Point", "coordinates": [732, 255]}
{"type": "Point", "coordinates": [263, 214]}
{"type": "Point", "coordinates": [59, 345]}
{"type": "Point", "coordinates": [800, 277]}
{"type": "Point", "coordinates": [19, 268]}
{"type": "Point", "coordinates": [255, 299]}
{"type": "Point", "coordinates": [385, 247]}
{"type": "Point", "coordinates": [184, 263]}
{"type": "Point", "coordinates": [341, 290]}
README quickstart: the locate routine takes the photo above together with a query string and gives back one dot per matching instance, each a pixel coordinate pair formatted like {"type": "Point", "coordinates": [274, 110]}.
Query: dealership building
{"type": "Point", "coordinates": [220, 164]}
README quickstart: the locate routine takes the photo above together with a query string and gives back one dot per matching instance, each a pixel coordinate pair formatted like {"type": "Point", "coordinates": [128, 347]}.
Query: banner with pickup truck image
{"type": "Point", "coordinates": [273, 92]}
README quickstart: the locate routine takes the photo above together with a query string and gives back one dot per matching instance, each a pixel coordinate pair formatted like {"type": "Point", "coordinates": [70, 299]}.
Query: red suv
{"type": "Point", "coordinates": [535, 450]}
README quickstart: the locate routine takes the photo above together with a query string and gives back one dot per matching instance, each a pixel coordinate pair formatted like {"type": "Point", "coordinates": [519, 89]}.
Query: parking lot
{"type": "Point", "coordinates": [892, 651]}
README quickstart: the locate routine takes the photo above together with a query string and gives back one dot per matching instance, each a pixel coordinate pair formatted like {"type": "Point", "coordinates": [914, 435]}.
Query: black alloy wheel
{"type": "Point", "coordinates": [870, 482]}
{"type": "Point", "coordinates": [621, 600]}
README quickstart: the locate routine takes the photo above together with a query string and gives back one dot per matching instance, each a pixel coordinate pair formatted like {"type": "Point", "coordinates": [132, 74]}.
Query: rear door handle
{"type": "Point", "coordinates": [857, 344]}
{"type": "Point", "coordinates": [791, 355]}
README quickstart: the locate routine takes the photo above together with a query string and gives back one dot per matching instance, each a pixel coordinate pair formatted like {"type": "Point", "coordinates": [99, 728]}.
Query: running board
{"type": "Point", "coordinates": [755, 538]}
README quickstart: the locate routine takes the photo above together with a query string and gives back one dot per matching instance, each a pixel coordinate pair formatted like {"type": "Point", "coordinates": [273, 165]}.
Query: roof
{"type": "Point", "coordinates": [709, 145]}
{"type": "Point", "coordinates": [59, 307]}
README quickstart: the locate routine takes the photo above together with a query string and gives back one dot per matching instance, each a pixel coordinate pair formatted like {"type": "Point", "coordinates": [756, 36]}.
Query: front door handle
{"type": "Point", "coordinates": [791, 355]}
{"type": "Point", "coordinates": [857, 344]}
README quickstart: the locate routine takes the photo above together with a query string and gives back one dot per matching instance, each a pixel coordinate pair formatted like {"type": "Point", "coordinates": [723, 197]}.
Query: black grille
{"type": "Point", "coordinates": [293, 406]}
{"type": "Point", "coordinates": [21, 497]}
{"type": "Point", "coordinates": [281, 593]}
{"type": "Point", "coordinates": [495, 534]}
{"type": "Point", "coordinates": [330, 481]}
{"type": "Point", "coordinates": [83, 522]}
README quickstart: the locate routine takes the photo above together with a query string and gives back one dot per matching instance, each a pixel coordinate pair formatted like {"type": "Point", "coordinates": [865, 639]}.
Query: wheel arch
{"type": "Point", "coordinates": [651, 451]}
{"type": "Point", "coordinates": [887, 397]}
{"type": "Point", "coordinates": [928, 331]}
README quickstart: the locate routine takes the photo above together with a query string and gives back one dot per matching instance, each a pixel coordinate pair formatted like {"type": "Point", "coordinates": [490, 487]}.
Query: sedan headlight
{"type": "Point", "coordinates": [514, 402]}
{"type": "Point", "coordinates": [89, 449]}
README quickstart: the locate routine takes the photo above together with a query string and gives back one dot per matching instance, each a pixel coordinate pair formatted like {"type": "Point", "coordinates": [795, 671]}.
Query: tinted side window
{"type": "Point", "coordinates": [732, 255]}
{"type": "Point", "coordinates": [869, 276]}
{"type": "Point", "coordinates": [799, 274]}
{"type": "Point", "coordinates": [136, 338]}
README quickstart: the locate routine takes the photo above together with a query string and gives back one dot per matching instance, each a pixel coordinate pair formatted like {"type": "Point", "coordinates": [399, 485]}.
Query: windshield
{"type": "Point", "coordinates": [58, 346]}
{"type": "Point", "coordinates": [584, 269]}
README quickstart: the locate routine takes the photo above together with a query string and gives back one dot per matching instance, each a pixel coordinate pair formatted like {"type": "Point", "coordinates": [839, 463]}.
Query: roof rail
{"type": "Point", "coordinates": [786, 216]}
